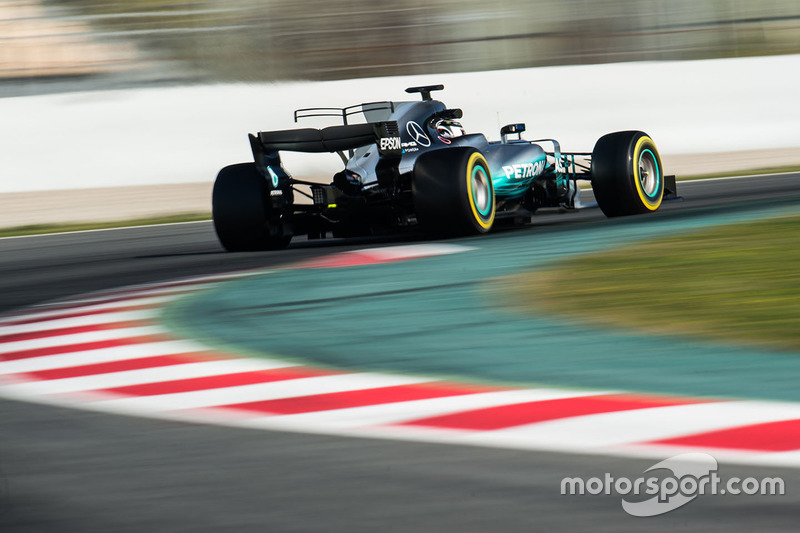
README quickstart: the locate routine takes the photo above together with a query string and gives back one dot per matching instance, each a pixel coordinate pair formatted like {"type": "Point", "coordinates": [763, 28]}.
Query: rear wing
{"type": "Point", "coordinates": [266, 146]}
{"type": "Point", "coordinates": [333, 139]}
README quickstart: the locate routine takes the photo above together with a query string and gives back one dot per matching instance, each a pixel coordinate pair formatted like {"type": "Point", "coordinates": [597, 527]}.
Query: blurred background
{"type": "Point", "coordinates": [132, 80]}
{"type": "Point", "coordinates": [134, 42]}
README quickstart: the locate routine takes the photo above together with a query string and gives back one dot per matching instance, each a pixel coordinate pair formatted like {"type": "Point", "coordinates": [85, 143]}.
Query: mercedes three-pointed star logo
{"type": "Point", "coordinates": [418, 134]}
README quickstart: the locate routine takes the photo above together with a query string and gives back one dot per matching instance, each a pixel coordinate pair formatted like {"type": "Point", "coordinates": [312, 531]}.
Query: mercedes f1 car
{"type": "Point", "coordinates": [411, 166]}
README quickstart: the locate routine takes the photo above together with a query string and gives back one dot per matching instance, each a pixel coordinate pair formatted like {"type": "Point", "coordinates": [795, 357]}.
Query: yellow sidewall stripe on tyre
{"type": "Point", "coordinates": [637, 152]}
{"type": "Point", "coordinates": [474, 158]}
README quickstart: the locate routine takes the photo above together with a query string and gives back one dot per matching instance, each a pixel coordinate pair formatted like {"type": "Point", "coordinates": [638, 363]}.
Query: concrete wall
{"type": "Point", "coordinates": [185, 134]}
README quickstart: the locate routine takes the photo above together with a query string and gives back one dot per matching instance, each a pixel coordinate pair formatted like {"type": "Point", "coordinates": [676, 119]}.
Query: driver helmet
{"type": "Point", "coordinates": [448, 129]}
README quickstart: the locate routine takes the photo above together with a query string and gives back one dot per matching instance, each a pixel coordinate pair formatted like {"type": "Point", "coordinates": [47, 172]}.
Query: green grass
{"type": "Point", "coordinates": [737, 283]}
{"type": "Point", "coordinates": [38, 229]}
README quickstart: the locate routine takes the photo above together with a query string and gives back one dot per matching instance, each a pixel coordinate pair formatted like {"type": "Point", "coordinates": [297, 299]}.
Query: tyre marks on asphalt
{"type": "Point", "coordinates": [109, 352]}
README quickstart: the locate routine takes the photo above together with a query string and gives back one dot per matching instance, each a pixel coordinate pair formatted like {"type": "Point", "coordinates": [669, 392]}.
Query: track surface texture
{"type": "Point", "coordinates": [68, 470]}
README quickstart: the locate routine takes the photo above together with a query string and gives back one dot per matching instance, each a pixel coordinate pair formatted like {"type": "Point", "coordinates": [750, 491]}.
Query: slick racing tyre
{"type": "Point", "coordinates": [453, 192]}
{"type": "Point", "coordinates": [627, 174]}
{"type": "Point", "coordinates": [243, 217]}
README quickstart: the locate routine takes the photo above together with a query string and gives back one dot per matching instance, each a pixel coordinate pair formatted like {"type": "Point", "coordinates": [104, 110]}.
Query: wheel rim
{"type": "Point", "coordinates": [481, 194]}
{"type": "Point", "coordinates": [648, 173]}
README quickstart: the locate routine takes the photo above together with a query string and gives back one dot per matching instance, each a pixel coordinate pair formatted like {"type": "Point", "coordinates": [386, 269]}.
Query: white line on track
{"type": "Point", "coordinates": [723, 178]}
{"type": "Point", "coordinates": [98, 230]}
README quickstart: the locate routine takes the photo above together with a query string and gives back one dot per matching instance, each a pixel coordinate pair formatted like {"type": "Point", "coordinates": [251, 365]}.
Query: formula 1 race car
{"type": "Point", "coordinates": [412, 166]}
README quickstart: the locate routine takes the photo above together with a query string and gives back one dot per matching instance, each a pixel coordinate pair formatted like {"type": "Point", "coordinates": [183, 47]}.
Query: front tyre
{"type": "Point", "coordinates": [243, 217]}
{"type": "Point", "coordinates": [627, 174]}
{"type": "Point", "coordinates": [453, 192]}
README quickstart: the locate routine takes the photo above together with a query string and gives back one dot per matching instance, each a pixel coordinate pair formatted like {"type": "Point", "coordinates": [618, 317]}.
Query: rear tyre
{"type": "Point", "coordinates": [243, 217]}
{"type": "Point", "coordinates": [627, 174]}
{"type": "Point", "coordinates": [453, 192]}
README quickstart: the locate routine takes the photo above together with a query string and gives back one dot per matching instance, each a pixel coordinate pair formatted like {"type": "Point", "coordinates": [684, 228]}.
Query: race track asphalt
{"type": "Point", "coordinates": [67, 470]}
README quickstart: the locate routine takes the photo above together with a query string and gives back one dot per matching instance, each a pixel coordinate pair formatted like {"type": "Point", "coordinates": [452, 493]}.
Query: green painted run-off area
{"type": "Point", "coordinates": [436, 316]}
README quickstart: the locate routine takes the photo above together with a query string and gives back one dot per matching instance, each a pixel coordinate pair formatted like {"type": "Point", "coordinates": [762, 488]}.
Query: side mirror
{"type": "Point", "coordinates": [510, 129]}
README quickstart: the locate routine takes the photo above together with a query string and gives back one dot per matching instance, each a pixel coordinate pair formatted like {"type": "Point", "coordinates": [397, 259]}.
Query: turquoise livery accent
{"type": "Point", "coordinates": [274, 177]}
{"type": "Point", "coordinates": [488, 208]}
{"type": "Point", "coordinates": [658, 174]}
{"type": "Point", "coordinates": [515, 179]}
